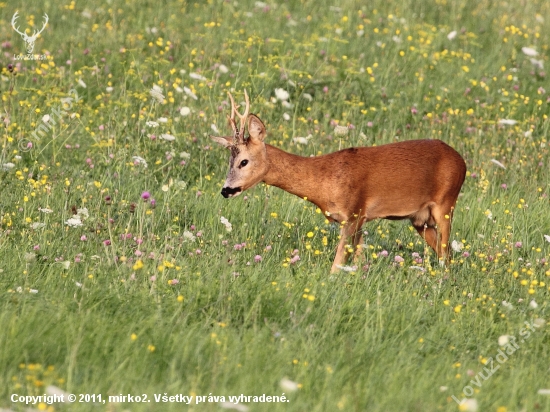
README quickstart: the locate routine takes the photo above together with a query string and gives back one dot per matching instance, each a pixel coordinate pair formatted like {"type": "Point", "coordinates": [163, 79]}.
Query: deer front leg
{"type": "Point", "coordinates": [350, 229]}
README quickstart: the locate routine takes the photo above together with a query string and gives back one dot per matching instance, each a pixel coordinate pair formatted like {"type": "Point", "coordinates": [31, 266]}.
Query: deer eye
{"type": "Point", "coordinates": [244, 163]}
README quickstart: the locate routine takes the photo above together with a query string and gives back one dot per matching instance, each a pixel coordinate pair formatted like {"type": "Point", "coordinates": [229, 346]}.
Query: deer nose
{"type": "Point", "coordinates": [228, 191]}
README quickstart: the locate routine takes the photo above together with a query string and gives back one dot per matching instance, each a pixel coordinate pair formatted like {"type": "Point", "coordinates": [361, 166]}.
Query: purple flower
{"type": "Point", "coordinates": [83, 238]}
{"type": "Point", "coordinates": [257, 258]}
{"type": "Point", "coordinates": [107, 242]}
{"type": "Point", "coordinates": [413, 110]}
{"type": "Point", "coordinates": [384, 253]}
{"type": "Point", "coordinates": [518, 244]}
{"type": "Point", "coordinates": [504, 186]}
{"type": "Point", "coordinates": [398, 259]}
{"type": "Point", "coordinates": [145, 195]}
{"type": "Point", "coordinates": [295, 259]}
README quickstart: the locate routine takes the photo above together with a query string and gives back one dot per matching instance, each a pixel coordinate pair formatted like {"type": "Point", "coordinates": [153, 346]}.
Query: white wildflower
{"type": "Point", "coordinates": [347, 268]}
{"type": "Point", "coordinates": [397, 39]}
{"type": "Point", "coordinates": [226, 223]}
{"type": "Point", "coordinates": [307, 96]}
{"type": "Point", "coordinates": [178, 89]}
{"type": "Point", "coordinates": [65, 264]}
{"type": "Point", "coordinates": [539, 322]}
{"type": "Point", "coordinates": [83, 212]}
{"type": "Point", "coordinates": [282, 94]}
{"type": "Point", "coordinates": [452, 35]}
{"type": "Point", "coordinates": [547, 238]}
{"type": "Point", "coordinates": [528, 51]}
{"type": "Point", "coordinates": [288, 386]}
{"type": "Point", "coordinates": [151, 123]}
{"type": "Point", "coordinates": [156, 93]}
{"type": "Point", "coordinates": [185, 111]}
{"type": "Point", "coordinates": [197, 76]}
{"type": "Point", "coordinates": [260, 4]}
{"type": "Point", "coordinates": [507, 122]}
{"type": "Point", "coordinates": [214, 128]}
{"type": "Point", "coordinates": [30, 256]}
{"type": "Point", "coordinates": [81, 83]}
{"type": "Point", "coordinates": [189, 93]}
{"type": "Point", "coordinates": [45, 210]}
{"type": "Point", "coordinates": [469, 405]}
{"type": "Point", "coordinates": [302, 140]}
{"type": "Point", "coordinates": [341, 130]}
{"type": "Point", "coordinates": [503, 340]}
{"type": "Point", "coordinates": [507, 305]}
{"type": "Point", "coordinates": [457, 246]}
{"type": "Point", "coordinates": [140, 161]}
{"type": "Point", "coordinates": [46, 118]}
{"type": "Point", "coordinates": [167, 137]}
{"type": "Point", "coordinates": [109, 89]}
{"type": "Point", "coordinates": [223, 68]}
{"type": "Point", "coordinates": [38, 225]}
{"type": "Point", "coordinates": [162, 120]}
{"type": "Point", "coordinates": [489, 214]}
{"type": "Point", "coordinates": [286, 116]}
{"type": "Point", "coordinates": [188, 236]}
{"type": "Point", "coordinates": [543, 391]}
{"type": "Point", "coordinates": [537, 63]}
{"type": "Point", "coordinates": [7, 166]}
{"type": "Point", "coordinates": [33, 291]}
{"type": "Point", "coordinates": [533, 304]}
{"type": "Point", "coordinates": [287, 105]}
{"type": "Point", "coordinates": [420, 268]}
{"type": "Point", "coordinates": [74, 221]}
{"type": "Point", "coordinates": [185, 155]}
{"type": "Point", "coordinates": [180, 184]}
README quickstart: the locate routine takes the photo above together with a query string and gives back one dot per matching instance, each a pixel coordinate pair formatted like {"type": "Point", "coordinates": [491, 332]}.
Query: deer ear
{"type": "Point", "coordinates": [256, 129]}
{"type": "Point", "coordinates": [224, 141]}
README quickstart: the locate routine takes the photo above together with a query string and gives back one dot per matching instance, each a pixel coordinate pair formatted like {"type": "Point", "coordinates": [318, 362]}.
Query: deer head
{"type": "Point", "coordinates": [248, 162]}
{"type": "Point", "coordinates": [30, 40]}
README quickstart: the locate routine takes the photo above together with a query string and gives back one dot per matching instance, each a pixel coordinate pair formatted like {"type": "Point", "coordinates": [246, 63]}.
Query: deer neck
{"type": "Point", "coordinates": [293, 174]}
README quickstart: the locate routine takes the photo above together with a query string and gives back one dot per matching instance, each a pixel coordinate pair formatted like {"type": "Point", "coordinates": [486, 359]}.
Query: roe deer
{"type": "Point", "coordinates": [417, 179]}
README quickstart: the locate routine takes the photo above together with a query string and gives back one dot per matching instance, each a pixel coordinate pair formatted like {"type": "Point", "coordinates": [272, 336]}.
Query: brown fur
{"type": "Point", "coordinates": [417, 179]}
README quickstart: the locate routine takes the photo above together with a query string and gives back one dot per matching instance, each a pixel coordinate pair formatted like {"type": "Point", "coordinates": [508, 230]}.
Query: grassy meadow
{"type": "Point", "coordinates": [118, 274]}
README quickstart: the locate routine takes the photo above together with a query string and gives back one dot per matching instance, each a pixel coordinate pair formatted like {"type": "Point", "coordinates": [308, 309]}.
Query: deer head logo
{"type": "Point", "coordinates": [30, 40]}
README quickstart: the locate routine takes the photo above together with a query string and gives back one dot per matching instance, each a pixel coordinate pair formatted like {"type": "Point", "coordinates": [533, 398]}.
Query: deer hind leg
{"type": "Point", "coordinates": [442, 215]}
{"type": "Point", "coordinates": [424, 223]}
{"type": "Point", "coordinates": [437, 239]}
{"type": "Point", "coordinates": [353, 230]}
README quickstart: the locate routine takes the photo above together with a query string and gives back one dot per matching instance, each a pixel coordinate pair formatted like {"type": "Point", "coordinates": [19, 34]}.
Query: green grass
{"type": "Point", "coordinates": [127, 304]}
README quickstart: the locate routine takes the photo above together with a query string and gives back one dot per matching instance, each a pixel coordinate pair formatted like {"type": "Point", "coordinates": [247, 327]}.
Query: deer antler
{"type": "Point", "coordinates": [43, 26]}
{"type": "Point", "coordinates": [13, 20]}
{"type": "Point", "coordinates": [238, 132]}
